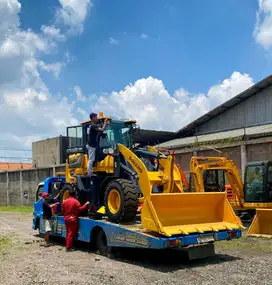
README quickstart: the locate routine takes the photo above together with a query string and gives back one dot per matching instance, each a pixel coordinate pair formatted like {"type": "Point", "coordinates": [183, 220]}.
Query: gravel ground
{"type": "Point", "coordinates": [24, 261]}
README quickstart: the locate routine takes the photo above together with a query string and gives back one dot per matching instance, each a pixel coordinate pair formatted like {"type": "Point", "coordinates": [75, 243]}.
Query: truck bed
{"type": "Point", "coordinates": [134, 236]}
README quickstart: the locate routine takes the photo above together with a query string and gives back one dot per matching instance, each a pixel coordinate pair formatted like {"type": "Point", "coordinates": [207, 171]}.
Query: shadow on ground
{"type": "Point", "coordinates": [167, 260]}
{"type": "Point", "coordinates": [160, 260]}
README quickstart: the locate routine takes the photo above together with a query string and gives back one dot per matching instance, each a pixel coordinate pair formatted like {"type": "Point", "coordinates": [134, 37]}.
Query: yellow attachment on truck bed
{"type": "Point", "coordinates": [261, 225]}
{"type": "Point", "coordinates": [185, 213]}
{"type": "Point", "coordinates": [174, 212]}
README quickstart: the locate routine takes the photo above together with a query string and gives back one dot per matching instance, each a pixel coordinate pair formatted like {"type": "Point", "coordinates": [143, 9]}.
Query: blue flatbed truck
{"type": "Point", "coordinates": [105, 236]}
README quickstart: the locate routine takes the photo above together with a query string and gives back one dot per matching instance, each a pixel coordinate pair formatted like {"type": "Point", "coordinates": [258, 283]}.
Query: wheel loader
{"type": "Point", "coordinates": [122, 181]}
{"type": "Point", "coordinates": [251, 200]}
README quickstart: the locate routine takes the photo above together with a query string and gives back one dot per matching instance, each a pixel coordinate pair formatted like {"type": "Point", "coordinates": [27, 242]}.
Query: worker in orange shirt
{"type": "Point", "coordinates": [71, 209]}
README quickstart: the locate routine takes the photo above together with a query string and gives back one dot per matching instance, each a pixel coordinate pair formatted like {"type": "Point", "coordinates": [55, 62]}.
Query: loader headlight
{"type": "Point", "coordinates": [108, 150]}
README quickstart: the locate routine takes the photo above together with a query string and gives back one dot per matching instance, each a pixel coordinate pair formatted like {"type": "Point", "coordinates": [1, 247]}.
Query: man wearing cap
{"type": "Point", "coordinates": [71, 209]}
{"type": "Point", "coordinates": [94, 129]}
{"type": "Point", "coordinates": [47, 216]}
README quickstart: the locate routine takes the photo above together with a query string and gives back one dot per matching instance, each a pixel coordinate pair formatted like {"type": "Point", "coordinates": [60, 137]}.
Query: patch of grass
{"type": "Point", "coordinates": [5, 243]}
{"type": "Point", "coordinates": [16, 209]}
{"type": "Point", "coordinates": [259, 244]}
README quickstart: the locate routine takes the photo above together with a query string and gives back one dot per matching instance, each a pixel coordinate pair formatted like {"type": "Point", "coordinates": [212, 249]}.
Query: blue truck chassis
{"type": "Point", "coordinates": [105, 235]}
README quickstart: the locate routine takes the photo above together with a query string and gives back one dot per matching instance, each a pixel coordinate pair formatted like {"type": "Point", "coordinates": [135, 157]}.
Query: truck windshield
{"type": "Point", "coordinates": [118, 132]}
{"type": "Point", "coordinates": [254, 184]}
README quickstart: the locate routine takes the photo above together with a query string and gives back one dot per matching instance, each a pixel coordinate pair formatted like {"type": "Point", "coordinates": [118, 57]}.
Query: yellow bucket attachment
{"type": "Point", "coordinates": [261, 225]}
{"type": "Point", "coordinates": [185, 213]}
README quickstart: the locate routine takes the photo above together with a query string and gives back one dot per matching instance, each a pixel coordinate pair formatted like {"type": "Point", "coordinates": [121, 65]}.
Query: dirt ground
{"type": "Point", "coordinates": [24, 261]}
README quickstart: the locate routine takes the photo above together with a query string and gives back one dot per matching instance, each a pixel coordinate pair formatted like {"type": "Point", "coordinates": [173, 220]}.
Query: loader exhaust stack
{"type": "Point", "coordinates": [261, 225]}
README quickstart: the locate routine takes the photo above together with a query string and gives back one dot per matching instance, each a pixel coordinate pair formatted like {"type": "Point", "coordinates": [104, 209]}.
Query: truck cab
{"type": "Point", "coordinates": [51, 185]}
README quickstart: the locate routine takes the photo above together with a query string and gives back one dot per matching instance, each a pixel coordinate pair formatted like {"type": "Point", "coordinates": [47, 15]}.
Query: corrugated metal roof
{"type": "Point", "coordinates": [151, 137]}
{"type": "Point", "coordinates": [250, 131]}
{"type": "Point", "coordinates": [225, 106]}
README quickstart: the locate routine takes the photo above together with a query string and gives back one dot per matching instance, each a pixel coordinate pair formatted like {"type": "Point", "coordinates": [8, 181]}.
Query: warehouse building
{"type": "Point", "coordinates": [49, 152]}
{"type": "Point", "coordinates": [240, 129]}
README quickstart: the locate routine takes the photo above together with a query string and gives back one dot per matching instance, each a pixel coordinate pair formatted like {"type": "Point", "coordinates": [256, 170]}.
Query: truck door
{"type": "Point", "coordinates": [38, 201]}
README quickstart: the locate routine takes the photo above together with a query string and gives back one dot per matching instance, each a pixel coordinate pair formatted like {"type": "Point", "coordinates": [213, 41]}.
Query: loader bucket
{"type": "Point", "coordinates": [261, 225]}
{"type": "Point", "coordinates": [185, 213]}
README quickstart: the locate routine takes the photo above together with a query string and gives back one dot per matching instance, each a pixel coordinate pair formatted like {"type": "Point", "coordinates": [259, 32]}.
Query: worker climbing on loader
{"type": "Point", "coordinates": [94, 130]}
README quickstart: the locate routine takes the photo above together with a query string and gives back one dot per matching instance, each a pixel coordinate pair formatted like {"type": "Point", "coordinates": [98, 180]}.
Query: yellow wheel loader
{"type": "Point", "coordinates": [126, 176]}
{"type": "Point", "coordinates": [251, 199]}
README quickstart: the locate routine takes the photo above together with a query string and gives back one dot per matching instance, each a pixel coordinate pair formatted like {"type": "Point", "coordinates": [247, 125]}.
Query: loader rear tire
{"type": "Point", "coordinates": [121, 201]}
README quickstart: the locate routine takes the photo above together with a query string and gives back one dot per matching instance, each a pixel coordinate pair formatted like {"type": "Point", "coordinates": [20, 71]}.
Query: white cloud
{"type": "Point", "coordinates": [144, 36]}
{"type": "Point", "coordinates": [73, 14]}
{"type": "Point", "coordinates": [79, 95]}
{"type": "Point", "coordinates": [113, 41]}
{"type": "Point", "coordinates": [153, 107]}
{"type": "Point", "coordinates": [31, 112]}
{"type": "Point", "coordinates": [52, 32]}
{"type": "Point", "coordinates": [55, 68]}
{"type": "Point", "coordinates": [27, 107]}
{"type": "Point", "coordinates": [263, 27]}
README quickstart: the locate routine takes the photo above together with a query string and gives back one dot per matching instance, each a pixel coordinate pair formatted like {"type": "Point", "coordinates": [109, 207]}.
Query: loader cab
{"type": "Point", "coordinates": [214, 180]}
{"type": "Point", "coordinates": [258, 182]}
{"type": "Point", "coordinates": [117, 132]}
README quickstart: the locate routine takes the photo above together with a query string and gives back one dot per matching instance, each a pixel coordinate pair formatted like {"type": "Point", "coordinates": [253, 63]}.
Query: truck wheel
{"type": "Point", "coordinates": [121, 201]}
{"type": "Point", "coordinates": [101, 243]}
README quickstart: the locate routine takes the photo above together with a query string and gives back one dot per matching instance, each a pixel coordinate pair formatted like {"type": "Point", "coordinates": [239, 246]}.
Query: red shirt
{"type": "Point", "coordinates": [71, 209]}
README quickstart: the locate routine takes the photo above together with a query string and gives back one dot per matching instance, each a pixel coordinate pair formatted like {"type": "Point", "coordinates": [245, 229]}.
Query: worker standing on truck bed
{"type": "Point", "coordinates": [71, 209]}
{"type": "Point", "coordinates": [47, 216]}
{"type": "Point", "coordinates": [94, 129]}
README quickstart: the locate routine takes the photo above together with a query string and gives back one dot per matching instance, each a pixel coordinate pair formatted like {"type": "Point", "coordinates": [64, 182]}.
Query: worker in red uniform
{"type": "Point", "coordinates": [71, 209]}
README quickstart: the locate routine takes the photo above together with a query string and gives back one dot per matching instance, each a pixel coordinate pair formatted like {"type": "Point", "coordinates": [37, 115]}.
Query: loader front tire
{"type": "Point", "coordinates": [121, 201]}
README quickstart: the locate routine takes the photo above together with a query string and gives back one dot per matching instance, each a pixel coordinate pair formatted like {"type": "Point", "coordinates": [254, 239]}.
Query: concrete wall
{"type": "Point", "coordinates": [254, 110]}
{"type": "Point", "coordinates": [14, 183]}
{"type": "Point", "coordinates": [49, 152]}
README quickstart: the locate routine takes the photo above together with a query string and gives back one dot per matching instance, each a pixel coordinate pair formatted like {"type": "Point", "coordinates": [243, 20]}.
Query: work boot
{"type": "Point", "coordinates": [69, 250]}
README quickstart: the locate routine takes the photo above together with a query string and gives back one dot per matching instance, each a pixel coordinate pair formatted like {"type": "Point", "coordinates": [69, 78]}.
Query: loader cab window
{"type": "Point", "coordinates": [75, 137]}
{"type": "Point", "coordinates": [269, 183]}
{"type": "Point", "coordinates": [191, 180]}
{"type": "Point", "coordinates": [117, 132]}
{"type": "Point", "coordinates": [214, 180]}
{"type": "Point", "coordinates": [254, 184]}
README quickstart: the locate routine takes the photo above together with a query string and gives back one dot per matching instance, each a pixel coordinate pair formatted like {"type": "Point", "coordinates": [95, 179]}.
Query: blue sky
{"type": "Point", "coordinates": [192, 44]}
{"type": "Point", "coordinates": [164, 63]}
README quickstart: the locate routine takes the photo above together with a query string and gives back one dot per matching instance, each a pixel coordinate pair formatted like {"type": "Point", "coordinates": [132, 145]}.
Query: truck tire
{"type": "Point", "coordinates": [101, 243]}
{"type": "Point", "coordinates": [121, 201]}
